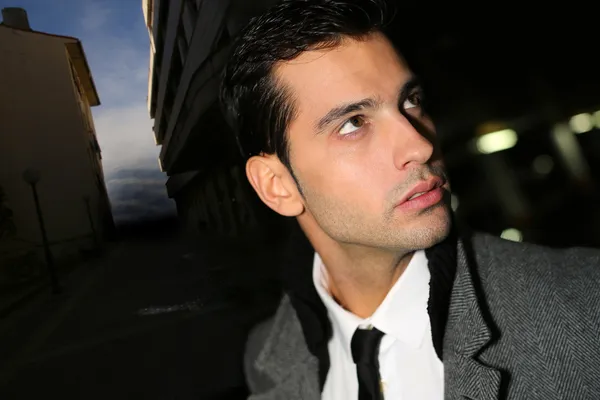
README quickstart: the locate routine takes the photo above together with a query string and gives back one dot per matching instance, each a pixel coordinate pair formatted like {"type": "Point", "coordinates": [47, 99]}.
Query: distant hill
{"type": "Point", "coordinates": [138, 195]}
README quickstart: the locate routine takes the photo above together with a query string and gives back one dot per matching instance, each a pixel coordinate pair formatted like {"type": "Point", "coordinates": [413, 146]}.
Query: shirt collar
{"type": "Point", "coordinates": [402, 314]}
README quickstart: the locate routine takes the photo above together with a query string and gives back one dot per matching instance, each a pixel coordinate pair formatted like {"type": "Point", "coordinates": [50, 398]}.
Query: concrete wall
{"type": "Point", "coordinates": [218, 204]}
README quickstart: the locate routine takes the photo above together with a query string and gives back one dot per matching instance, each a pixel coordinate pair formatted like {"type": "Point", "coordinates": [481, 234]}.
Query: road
{"type": "Point", "coordinates": [154, 319]}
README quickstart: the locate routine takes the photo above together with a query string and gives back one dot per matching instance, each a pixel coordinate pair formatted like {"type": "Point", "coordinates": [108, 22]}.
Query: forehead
{"type": "Point", "coordinates": [319, 80]}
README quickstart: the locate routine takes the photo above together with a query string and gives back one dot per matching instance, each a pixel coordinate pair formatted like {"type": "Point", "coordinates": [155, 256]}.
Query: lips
{"type": "Point", "coordinates": [421, 189]}
{"type": "Point", "coordinates": [414, 196]}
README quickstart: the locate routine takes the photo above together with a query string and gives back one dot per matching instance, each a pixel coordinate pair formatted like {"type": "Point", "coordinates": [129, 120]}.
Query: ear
{"type": "Point", "coordinates": [274, 185]}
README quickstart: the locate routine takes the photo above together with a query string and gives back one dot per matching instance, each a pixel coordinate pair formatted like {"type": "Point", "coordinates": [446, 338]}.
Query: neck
{"type": "Point", "coordinates": [360, 277]}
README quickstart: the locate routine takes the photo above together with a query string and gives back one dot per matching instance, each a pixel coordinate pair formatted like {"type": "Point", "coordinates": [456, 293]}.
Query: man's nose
{"type": "Point", "coordinates": [411, 143]}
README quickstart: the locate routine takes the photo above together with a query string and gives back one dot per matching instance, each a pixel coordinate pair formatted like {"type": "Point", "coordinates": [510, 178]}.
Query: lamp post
{"type": "Point", "coordinates": [87, 200]}
{"type": "Point", "coordinates": [32, 177]}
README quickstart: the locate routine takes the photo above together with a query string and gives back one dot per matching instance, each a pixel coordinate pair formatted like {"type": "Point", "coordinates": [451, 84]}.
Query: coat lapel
{"type": "Point", "coordinates": [467, 333]}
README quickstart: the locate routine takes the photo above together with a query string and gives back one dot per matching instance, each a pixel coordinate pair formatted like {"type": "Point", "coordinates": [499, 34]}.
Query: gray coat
{"type": "Point", "coordinates": [523, 323]}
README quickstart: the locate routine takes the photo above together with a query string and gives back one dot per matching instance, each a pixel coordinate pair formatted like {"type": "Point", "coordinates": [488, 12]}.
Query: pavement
{"type": "Point", "coordinates": [16, 292]}
{"type": "Point", "coordinates": [157, 318]}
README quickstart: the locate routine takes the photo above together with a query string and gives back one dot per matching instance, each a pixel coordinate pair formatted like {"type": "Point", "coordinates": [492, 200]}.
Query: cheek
{"type": "Point", "coordinates": [355, 176]}
{"type": "Point", "coordinates": [359, 184]}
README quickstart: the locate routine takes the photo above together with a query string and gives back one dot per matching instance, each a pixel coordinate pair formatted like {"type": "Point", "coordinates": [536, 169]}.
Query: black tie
{"type": "Point", "coordinates": [365, 352]}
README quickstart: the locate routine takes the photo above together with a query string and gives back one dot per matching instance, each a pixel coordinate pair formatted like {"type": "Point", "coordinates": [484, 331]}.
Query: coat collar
{"type": "Point", "coordinates": [297, 344]}
{"type": "Point", "coordinates": [286, 359]}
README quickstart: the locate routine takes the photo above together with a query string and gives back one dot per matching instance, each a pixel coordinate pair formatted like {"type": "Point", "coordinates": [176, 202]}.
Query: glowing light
{"type": "Point", "coordinates": [512, 234]}
{"type": "Point", "coordinates": [581, 123]}
{"type": "Point", "coordinates": [454, 202]}
{"type": "Point", "coordinates": [597, 118]}
{"type": "Point", "coordinates": [497, 141]}
{"type": "Point", "coordinates": [570, 151]}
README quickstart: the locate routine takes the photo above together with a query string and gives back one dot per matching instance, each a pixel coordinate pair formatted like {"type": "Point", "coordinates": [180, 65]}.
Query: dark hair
{"type": "Point", "coordinates": [258, 108]}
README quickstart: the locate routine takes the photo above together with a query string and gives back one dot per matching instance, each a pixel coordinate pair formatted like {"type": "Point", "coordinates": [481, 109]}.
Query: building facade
{"type": "Point", "coordinates": [189, 45]}
{"type": "Point", "coordinates": [47, 129]}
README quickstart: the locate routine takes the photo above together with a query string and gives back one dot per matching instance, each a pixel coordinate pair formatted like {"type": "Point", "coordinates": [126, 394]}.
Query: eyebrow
{"type": "Point", "coordinates": [341, 111]}
{"type": "Point", "coordinates": [411, 84]}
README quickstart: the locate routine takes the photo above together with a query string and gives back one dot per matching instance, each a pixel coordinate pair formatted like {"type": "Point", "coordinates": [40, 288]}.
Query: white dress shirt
{"type": "Point", "coordinates": [409, 366]}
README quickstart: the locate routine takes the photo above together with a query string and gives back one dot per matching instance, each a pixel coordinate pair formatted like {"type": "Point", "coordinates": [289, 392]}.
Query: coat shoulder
{"type": "Point", "coordinates": [542, 305]}
{"type": "Point", "coordinates": [517, 276]}
{"type": "Point", "coordinates": [506, 260]}
{"type": "Point", "coordinates": [263, 341]}
{"type": "Point", "coordinates": [258, 336]}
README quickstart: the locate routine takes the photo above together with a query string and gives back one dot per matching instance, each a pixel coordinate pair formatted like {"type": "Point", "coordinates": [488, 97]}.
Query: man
{"type": "Point", "coordinates": [385, 299]}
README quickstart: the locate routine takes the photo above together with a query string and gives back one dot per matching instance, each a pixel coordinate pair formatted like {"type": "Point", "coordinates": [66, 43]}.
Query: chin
{"type": "Point", "coordinates": [429, 229]}
{"type": "Point", "coordinates": [439, 225]}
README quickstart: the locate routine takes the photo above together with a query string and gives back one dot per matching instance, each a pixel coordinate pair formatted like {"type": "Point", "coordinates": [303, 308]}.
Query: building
{"type": "Point", "coordinates": [46, 127]}
{"type": "Point", "coordinates": [189, 45]}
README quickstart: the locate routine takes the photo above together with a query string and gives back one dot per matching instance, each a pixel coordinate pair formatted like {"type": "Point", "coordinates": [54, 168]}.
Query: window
{"type": "Point", "coordinates": [222, 40]}
{"type": "Point", "coordinates": [189, 16]}
{"type": "Point", "coordinates": [76, 81]}
{"type": "Point", "coordinates": [81, 100]}
{"type": "Point", "coordinates": [159, 127]}
{"type": "Point", "coordinates": [163, 13]}
{"type": "Point", "coordinates": [176, 70]}
{"type": "Point", "coordinates": [167, 108]}
{"type": "Point", "coordinates": [182, 44]}
{"type": "Point", "coordinates": [96, 145]}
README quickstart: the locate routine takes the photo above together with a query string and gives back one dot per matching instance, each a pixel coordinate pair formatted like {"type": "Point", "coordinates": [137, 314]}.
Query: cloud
{"type": "Point", "coordinates": [135, 183]}
{"type": "Point", "coordinates": [95, 16]}
{"type": "Point", "coordinates": [132, 189]}
{"type": "Point", "coordinates": [125, 137]}
{"type": "Point", "coordinates": [116, 44]}
{"type": "Point", "coordinates": [117, 47]}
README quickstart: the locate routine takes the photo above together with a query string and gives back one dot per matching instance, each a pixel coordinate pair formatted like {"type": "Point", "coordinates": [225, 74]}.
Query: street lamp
{"type": "Point", "coordinates": [87, 200]}
{"type": "Point", "coordinates": [32, 177]}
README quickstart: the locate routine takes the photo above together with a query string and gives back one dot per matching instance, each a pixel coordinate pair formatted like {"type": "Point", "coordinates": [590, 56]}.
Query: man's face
{"type": "Point", "coordinates": [360, 147]}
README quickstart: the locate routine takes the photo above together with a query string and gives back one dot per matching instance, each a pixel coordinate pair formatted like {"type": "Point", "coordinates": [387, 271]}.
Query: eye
{"type": "Point", "coordinates": [352, 125]}
{"type": "Point", "coordinates": [413, 100]}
